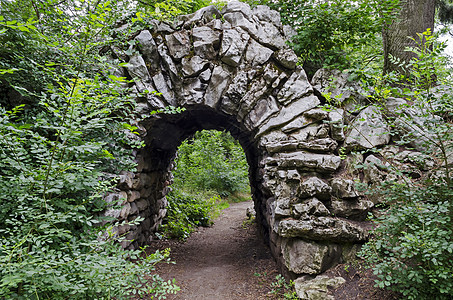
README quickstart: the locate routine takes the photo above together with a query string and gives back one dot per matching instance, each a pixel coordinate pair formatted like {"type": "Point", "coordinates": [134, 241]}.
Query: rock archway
{"type": "Point", "coordinates": [232, 70]}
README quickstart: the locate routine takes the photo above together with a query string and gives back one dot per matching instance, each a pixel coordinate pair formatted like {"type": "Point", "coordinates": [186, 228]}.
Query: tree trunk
{"type": "Point", "coordinates": [414, 16]}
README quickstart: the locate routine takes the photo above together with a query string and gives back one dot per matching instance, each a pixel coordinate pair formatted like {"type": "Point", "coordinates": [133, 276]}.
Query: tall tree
{"type": "Point", "coordinates": [413, 16]}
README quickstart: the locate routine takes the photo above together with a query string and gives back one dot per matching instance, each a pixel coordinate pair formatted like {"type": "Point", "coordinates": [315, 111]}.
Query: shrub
{"type": "Point", "coordinates": [412, 247]}
{"type": "Point", "coordinates": [186, 211]}
{"type": "Point", "coordinates": [212, 160]}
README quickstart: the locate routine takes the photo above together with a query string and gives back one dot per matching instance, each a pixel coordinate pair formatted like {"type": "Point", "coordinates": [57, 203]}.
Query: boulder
{"type": "Point", "coordinates": [353, 209]}
{"type": "Point", "coordinates": [317, 288]}
{"type": "Point", "coordinates": [309, 207]}
{"type": "Point", "coordinates": [193, 66]}
{"type": "Point", "coordinates": [178, 44]}
{"type": "Point", "coordinates": [368, 130]}
{"type": "Point", "coordinates": [290, 112]}
{"type": "Point", "coordinates": [324, 229]}
{"type": "Point", "coordinates": [295, 88]}
{"type": "Point", "coordinates": [314, 187]}
{"type": "Point", "coordinates": [233, 45]}
{"type": "Point", "coordinates": [304, 257]}
{"type": "Point", "coordinates": [257, 54]}
{"type": "Point", "coordinates": [325, 163]}
{"type": "Point", "coordinates": [287, 58]}
{"type": "Point", "coordinates": [343, 188]}
{"type": "Point", "coordinates": [220, 79]}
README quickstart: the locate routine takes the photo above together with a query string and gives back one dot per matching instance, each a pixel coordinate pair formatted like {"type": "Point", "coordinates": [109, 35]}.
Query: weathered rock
{"type": "Point", "coordinates": [282, 208]}
{"type": "Point", "coordinates": [287, 58]}
{"type": "Point", "coordinates": [257, 54]}
{"type": "Point", "coordinates": [125, 211]}
{"type": "Point", "coordinates": [193, 66]}
{"type": "Point", "coordinates": [282, 146]}
{"type": "Point", "coordinates": [132, 196]}
{"type": "Point", "coordinates": [269, 35]}
{"type": "Point", "coordinates": [323, 229]}
{"type": "Point", "coordinates": [342, 91]}
{"type": "Point", "coordinates": [319, 145]}
{"type": "Point", "coordinates": [194, 91]}
{"type": "Point", "coordinates": [233, 46]}
{"type": "Point", "coordinates": [317, 288]}
{"type": "Point", "coordinates": [206, 35]}
{"type": "Point", "coordinates": [239, 20]}
{"type": "Point", "coordinates": [205, 76]}
{"type": "Point", "coordinates": [309, 207]}
{"type": "Point", "coordinates": [354, 209]}
{"type": "Point", "coordinates": [237, 6]}
{"type": "Point", "coordinates": [161, 27]}
{"type": "Point", "coordinates": [265, 14]}
{"type": "Point", "coordinates": [368, 130]}
{"type": "Point", "coordinates": [261, 112]}
{"type": "Point", "coordinates": [295, 88]}
{"type": "Point", "coordinates": [142, 204]}
{"type": "Point", "coordinates": [292, 175]}
{"type": "Point", "coordinates": [423, 161]}
{"type": "Point", "coordinates": [257, 89]}
{"type": "Point", "coordinates": [148, 48]}
{"type": "Point", "coordinates": [303, 257]}
{"type": "Point", "coordinates": [204, 15]}
{"type": "Point", "coordinates": [343, 188]}
{"type": "Point", "coordinates": [308, 161]}
{"type": "Point", "coordinates": [309, 117]}
{"type": "Point", "coordinates": [314, 187]}
{"type": "Point", "coordinates": [169, 64]}
{"type": "Point", "coordinates": [134, 209]}
{"type": "Point", "coordinates": [206, 41]}
{"type": "Point", "coordinates": [373, 170]}
{"type": "Point", "coordinates": [178, 44]}
{"type": "Point", "coordinates": [138, 70]}
{"type": "Point", "coordinates": [337, 124]}
{"type": "Point", "coordinates": [219, 82]}
{"type": "Point", "coordinates": [162, 87]}
{"type": "Point", "coordinates": [125, 180]}
{"type": "Point", "coordinates": [113, 213]}
{"type": "Point", "coordinates": [236, 91]}
{"type": "Point", "coordinates": [288, 113]}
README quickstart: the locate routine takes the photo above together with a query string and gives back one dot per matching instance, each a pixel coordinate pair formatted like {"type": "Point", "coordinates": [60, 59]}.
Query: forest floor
{"type": "Point", "coordinates": [230, 261]}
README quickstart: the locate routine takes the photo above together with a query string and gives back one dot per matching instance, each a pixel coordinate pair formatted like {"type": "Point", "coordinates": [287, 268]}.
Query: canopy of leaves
{"type": "Point", "coordinates": [328, 32]}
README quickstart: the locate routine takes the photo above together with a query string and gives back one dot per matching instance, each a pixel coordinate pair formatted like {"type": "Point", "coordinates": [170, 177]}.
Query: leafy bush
{"type": "Point", "coordinates": [212, 160]}
{"type": "Point", "coordinates": [58, 149]}
{"type": "Point", "coordinates": [186, 211]}
{"type": "Point", "coordinates": [412, 247]}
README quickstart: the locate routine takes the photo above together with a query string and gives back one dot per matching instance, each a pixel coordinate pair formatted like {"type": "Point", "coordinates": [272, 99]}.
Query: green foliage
{"type": "Point", "coordinates": [186, 211]}
{"type": "Point", "coordinates": [210, 164]}
{"type": "Point", "coordinates": [283, 289]}
{"type": "Point", "coordinates": [212, 160]}
{"type": "Point", "coordinates": [336, 34]}
{"type": "Point", "coordinates": [412, 248]}
{"type": "Point", "coordinates": [58, 149]}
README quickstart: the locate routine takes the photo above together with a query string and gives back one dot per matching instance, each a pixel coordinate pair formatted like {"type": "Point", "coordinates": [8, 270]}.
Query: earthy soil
{"type": "Point", "coordinates": [226, 261]}
{"type": "Point", "coordinates": [230, 261]}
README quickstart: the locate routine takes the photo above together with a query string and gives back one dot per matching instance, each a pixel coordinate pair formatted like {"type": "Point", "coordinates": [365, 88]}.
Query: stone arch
{"type": "Point", "coordinates": [232, 70]}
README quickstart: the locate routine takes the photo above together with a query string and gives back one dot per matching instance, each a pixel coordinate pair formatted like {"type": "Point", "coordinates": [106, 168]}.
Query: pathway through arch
{"type": "Point", "coordinates": [226, 261]}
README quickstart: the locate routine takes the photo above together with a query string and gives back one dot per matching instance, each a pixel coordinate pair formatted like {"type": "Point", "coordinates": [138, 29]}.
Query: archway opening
{"type": "Point", "coordinates": [166, 132]}
{"type": "Point", "coordinates": [210, 172]}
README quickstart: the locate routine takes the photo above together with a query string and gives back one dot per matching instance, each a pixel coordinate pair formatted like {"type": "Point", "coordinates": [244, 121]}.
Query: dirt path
{"type": "Point", "coordinates": [225, 261]}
